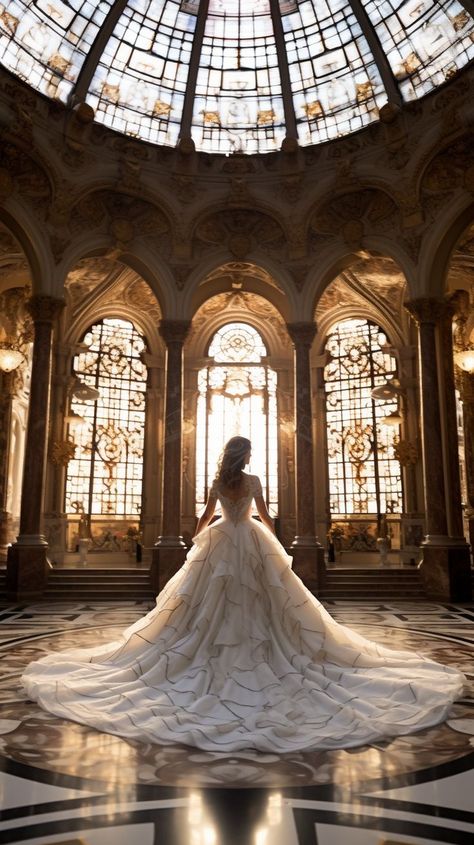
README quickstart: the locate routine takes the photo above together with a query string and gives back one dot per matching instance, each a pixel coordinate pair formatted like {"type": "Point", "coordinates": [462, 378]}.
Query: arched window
{"type": "Point", "coordinates": [105, 476]}
{"type": "Point", "coordinates": [364, 476]}
{"type": "Point", "coordinates": [237, 395]}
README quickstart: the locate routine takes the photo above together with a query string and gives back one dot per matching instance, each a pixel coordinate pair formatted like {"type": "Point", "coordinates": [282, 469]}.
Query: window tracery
{"type": "Point", "coordinates": [364, 475]}
{"type": "Point", "coordinates": [237, 395]}
{"type": "Point", "coordinates": [105, 476]}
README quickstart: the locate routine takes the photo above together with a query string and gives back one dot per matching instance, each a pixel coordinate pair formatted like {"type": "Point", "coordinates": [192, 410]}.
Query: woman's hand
{"type": "Point", "coordinates": [206, 517]}
{"type": "Point", "coordinates": [264, 515]}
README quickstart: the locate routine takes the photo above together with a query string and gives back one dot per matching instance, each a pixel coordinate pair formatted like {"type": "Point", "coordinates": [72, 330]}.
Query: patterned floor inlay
{"type": "Point", "coordinates": [62, 782]}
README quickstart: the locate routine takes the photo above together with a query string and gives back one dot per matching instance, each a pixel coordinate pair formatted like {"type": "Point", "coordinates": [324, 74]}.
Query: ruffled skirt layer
{"type": "Point", "coordinates": [239, 654]}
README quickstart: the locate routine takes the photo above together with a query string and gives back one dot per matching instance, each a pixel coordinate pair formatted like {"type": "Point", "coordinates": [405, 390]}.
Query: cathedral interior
{"type": "Point", "coordinates": [220, 218]}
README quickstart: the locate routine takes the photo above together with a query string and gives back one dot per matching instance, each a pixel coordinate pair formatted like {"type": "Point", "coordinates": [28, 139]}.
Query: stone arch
{"type": "Point", "coordinates": [354, 311]}
{"type": "Point", "coordinates": [352, 213]}
{"type": "Point", "coordinates": [240, 231]}
{"type": "Point", "coordinates": [128, 297]}
{"type": "Point", "coordinates": [335, 259]}
{"type": "Point", "coordinates": [440, 243]}
{"type": "Point", "coordinates": [238, 306]}
{"type": "Point", "coordinates": [139, 258]}
{"type": "Point", "coordinates": [32, 243]}
{"type": "Point", "coordinates": [203, 281]}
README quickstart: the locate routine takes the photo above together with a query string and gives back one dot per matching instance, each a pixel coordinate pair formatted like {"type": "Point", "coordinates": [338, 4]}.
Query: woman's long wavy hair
{"type": "Point", "coordinates": [232, 462]}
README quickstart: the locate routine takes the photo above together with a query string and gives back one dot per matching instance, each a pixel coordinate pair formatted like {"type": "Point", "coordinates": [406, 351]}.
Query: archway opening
{"type": "Point", "coordinates": [237, 395]}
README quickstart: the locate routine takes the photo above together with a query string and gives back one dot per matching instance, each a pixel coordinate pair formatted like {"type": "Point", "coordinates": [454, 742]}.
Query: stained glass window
{"type": "Point", "coordinates": [425, 42]}
{"type": "Point", "coordinates": [237, 395]}
{"type": "Point", "coordinates": [335, 81]}
{"type": "Point", "coordinates": [46, 41]}
{"type": "Point", "coordinates": [140, 81]}
{"type": "Point", "coordinates": [364, 476]}
{"type": "Point", "coordinates": [105, 476]}
{"type": "Point", "coordinates": [238, 105]}
{"type": "Point", "coordinates": [250, 73]}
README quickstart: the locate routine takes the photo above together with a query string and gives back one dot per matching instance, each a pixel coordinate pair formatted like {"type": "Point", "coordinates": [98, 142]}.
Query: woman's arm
{"type": "Point", "coordinates": [206, 517]}
{"type": "Point", "coordinates": [263, 513]}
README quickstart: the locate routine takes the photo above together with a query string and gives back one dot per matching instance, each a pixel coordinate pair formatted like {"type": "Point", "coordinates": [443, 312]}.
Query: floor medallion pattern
{"type": "Point", "coordinates": [38, 748]}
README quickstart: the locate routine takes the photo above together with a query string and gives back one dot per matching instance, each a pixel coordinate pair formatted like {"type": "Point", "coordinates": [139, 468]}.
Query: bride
{"type": "Point", "coordinates": [238, 654]}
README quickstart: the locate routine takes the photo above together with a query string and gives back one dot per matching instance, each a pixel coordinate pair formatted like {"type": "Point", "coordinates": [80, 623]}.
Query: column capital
{"type": "Point", "coordinates": [302, 333]}
{"type": "Point", "coordinates": [174, 331]}
{"type": "Point", "coordinates": [45, 309]}
{"type": "Point", "coordinates": [461, 303]}
{"type": "Point", "coordinates": [428, 310]}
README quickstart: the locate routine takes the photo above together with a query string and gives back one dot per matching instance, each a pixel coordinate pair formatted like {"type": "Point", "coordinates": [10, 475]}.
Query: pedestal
{"type": "Point", "coordinates": [27, 571]}
{"type": "Point", "coordinates": [446, 572]}
{"type": "Point", "coordinates": [5, 533]}
{"type": "Point", "coordinates": [308, 564]}
{"type": "Point", "coordinates": [165, 562]}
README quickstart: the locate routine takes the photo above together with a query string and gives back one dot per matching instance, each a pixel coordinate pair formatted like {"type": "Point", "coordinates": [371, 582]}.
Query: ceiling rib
{"type": "Point", "coordinates": [290, 117]}
{"type": "Point", "coordinates": [388, 78]}
{"type": "Point", "coordinates": [187, 116]}
{"type": "Point", "coordinates": [86, 73]}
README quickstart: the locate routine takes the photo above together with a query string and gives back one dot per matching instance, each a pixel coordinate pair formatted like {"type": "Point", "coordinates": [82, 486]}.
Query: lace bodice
{"type": "Point", "coordinates": [239, 509]}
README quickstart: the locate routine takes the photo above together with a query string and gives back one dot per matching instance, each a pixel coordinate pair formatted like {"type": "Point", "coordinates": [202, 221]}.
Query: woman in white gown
{"type": "Point", "coordinates": [238, 654]}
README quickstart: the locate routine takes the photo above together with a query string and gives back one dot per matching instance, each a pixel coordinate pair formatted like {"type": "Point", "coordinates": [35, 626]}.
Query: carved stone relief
{"type": "Point", "coordinates": [377, 280]}
{"type": "Point", "coordinates": [109, 280]}
{"type": "Point", "coordinates": [230, 304]}
{"type": "Point", "coordinates": [241, 230]}
{"type": "Point", "coordinates": [29, 177]}
{"type": "Point", "coordinates": [123, 217]}
{"type": "Point", "coordinates": [445, 174]}
{"type": "Point", "coordinates": [236, 273]}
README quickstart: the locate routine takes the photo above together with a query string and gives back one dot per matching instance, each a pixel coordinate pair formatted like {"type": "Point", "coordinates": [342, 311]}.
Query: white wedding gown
{"type": "Point", "coordinates": [239, 654]}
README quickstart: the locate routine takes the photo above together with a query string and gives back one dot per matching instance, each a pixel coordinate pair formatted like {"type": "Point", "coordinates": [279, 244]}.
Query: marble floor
{"type": "Point", "coordinates": [64, 783]}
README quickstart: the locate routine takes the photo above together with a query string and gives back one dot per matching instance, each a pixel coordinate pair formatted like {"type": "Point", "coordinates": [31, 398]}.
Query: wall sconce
{"type": "Point", "coordinates": [84, 392]}
{"type": "Point", "coordinates": [10, 356]}
{"type": "Point", "coordinates": [393, 419]}
{"type": "Point", "coordinates": [386, 391]}
{"type": "Point", "coordinates": [74, 420]}
{"type": "Point", "coordinates": [465, 360]}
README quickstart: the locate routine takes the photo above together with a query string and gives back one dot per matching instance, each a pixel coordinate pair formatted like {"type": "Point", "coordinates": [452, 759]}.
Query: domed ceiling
{"type": "Point", "coordinates": [235, 76]}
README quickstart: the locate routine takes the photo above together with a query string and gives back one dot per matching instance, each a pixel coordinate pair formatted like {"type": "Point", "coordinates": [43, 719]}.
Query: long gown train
{"type": "Point", "coordinates": [238, 654]}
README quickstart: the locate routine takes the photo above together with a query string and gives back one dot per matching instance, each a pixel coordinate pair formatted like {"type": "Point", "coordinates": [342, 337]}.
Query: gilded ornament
{"type": "Point", "coordinates": [59, 63]}
{"type": "Point", "coordinates": [62, 451]}
{"type": "Point", "coordinates": [363, 91]}
{"type": "Point", "coordinates": [239, 245]}
{"type": "Point", "coordinates": [211, 117]}
{"type": "Point", "coordinates": [313, 109]}
{"type": "Point", "coordinates": [406, 452]}
{"type": "Point", "coordinates": [8, 21]}
{"type": "Point", "coordinates": [161, 109]}
{"type": "Point", "coordinates": [410, 64]}
{"type": "Point", "coordinates": [122, 230]}
{"type": "Point", "coordinates": [266, 116]}
{"type": "Point", "coordinates": [111, 92]}
{"type": "Point", "coordinates": [460, 21]}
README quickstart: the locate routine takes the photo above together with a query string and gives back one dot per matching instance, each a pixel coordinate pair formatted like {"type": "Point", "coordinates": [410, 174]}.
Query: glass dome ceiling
{"type": "Point", "coordinates": [235, 76]}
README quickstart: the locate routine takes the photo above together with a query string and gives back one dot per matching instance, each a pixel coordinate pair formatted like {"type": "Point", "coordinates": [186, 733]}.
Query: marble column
{"type": "Point", "coordinates": [307, 552]}
{"type": "Point", "coordinates": [170, 550]}
{"type": "Point", "coordinates": [152, 454]}
{"type": "Point", "coordinates": [467, 396]}
{"type": "Point", "coordinates": [27, 564]}
{"type": "Point", "coordinates": [448, 405]}
{"type": "Point", "coordinates": [445, 565]}
{"type": "Point", "coordinates": [6, 400]}
{"type": "Point", "coordinates": [465, 384]}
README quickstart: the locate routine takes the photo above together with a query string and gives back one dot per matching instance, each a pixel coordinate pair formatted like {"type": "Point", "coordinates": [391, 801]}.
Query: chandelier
{"type": "Point", "coordinates": [10, 356]}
